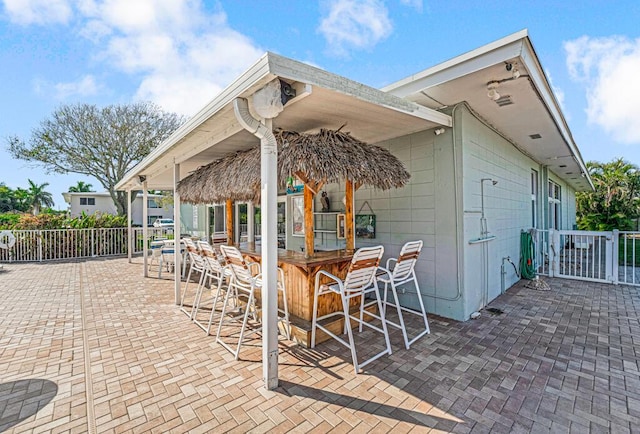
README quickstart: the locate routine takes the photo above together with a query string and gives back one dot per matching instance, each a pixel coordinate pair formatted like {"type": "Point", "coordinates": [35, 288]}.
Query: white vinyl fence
{"type": "Point", "coordinates": [607, 256]}
{"type": "Point", "coordinates": [54, 244]}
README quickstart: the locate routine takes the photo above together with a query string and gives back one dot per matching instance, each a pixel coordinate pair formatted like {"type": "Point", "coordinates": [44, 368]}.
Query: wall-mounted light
{"type": "Point", "coordinates": [492, 92]}
{"type": "Point", "coordinates": [142, 178]}
{"type": "Point", "coordinates": [515, 74]}
{"type": "Point", "coordinates": [439, 131]}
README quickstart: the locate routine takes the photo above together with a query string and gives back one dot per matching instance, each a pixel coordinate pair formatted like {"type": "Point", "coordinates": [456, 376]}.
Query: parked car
{"type": "Point", "coordinates": [163, 223]}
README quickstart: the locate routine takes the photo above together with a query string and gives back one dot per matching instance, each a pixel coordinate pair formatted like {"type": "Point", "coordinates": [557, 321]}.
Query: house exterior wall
{"type": "Point", "coordinates": [456, 278]}
{"type": "Point", "coordinates": [507, 207]}
{"type": "Point", "coordinates": [422, 210]}
{"type": "Point", "coordinates": [104, 204]}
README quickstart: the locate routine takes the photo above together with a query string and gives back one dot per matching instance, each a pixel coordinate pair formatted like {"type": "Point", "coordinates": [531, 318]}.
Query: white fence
{"type": "Point", "coordinates": [54, 244]}
{"type": "Point", "coordinates": [609, 256]}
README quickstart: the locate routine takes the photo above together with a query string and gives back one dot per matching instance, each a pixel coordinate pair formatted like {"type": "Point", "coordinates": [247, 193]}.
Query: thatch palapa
{"type": "Point", "coordinates": [328, 156]}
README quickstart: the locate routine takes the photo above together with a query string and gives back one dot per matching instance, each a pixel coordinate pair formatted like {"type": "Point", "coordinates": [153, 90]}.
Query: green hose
{"type": "Point", "coordinates": [527, 253]}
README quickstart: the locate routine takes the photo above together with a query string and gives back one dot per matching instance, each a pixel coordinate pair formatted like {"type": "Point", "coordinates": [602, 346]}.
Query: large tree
{"type": "Point", "coordinates": [615, 203]}
{"type": "Point", "coordinates": [38, 196]}
{"type": "Point", "coordinates": [101, 142]}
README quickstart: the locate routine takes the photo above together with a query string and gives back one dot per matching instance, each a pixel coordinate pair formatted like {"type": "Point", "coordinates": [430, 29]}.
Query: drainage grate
{"type": "Point", "coordinates": [494, 311]}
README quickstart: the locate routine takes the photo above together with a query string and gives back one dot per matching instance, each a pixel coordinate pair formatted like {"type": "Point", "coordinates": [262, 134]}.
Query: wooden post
{"type": "Point", "coordinates": [229, 211]}
{"type": "Point", "coordinates": [348, 211]}
{"type": "Point", "coordinates": [308, 222]}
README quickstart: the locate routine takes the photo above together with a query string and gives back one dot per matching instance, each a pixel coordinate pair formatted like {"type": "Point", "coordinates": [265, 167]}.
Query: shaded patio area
{"type": "Point", "coordinates": [93, 346]}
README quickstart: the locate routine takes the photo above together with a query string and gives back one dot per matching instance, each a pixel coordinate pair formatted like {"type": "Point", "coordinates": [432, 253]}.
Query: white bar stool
{"type": "Point", "coordinates": [359, 281]}
{"type": "Point", "coordinates": [403, 271]}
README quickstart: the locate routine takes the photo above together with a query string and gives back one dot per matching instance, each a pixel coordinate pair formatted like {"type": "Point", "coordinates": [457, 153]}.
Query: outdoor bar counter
{"type": "Point", "coordinates": [300, 273]}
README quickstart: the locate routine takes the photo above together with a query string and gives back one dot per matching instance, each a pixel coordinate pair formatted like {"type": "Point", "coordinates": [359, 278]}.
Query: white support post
{"type": "Point", "coordinates": [145, 229]}
{"type": "Point", "coordinates": [251, 237]}
{"type": "Point", "coordinates": [269, 214]}
{"type": "Point", "coordinates": [129, 234]}
{"type": "Point", "coordinates": [176, 234]}
{"type": "Point", "coordinates": [615, 247]}
{"type": "Point", "coordinates": [554, 253]}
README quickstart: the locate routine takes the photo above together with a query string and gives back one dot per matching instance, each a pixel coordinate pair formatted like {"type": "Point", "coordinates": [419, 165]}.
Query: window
{"type": "Point", "coordinates": [151, 203]}
{"type": "Point", "coordinates": [152, 218]}
{"type": "Point", "coordinates": [534, 198]}
{"type": "Point", "coordinates": [555, 197]}
{"type": "Point", "coordinates": [87, 201]}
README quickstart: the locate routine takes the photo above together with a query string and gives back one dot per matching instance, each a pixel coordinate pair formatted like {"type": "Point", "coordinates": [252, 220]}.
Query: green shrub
{"type": "Point", "coordinates": [60, 221]}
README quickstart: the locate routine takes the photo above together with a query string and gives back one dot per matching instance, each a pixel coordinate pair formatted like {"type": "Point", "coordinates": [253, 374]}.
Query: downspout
{"type": "Point", "coordinates": [254, 126]}
{"type": "Point", "coordinates": [456, 196]}
{"type": "Point", "coordinates": [268, 176]}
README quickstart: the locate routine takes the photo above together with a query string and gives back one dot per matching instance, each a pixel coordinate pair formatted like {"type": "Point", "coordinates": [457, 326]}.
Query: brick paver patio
{"type": "Point", "coordinates": [93, 347]}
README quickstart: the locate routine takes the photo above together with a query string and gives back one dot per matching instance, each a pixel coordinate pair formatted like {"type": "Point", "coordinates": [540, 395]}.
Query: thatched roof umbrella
{"type": "Point", "coordinates": [315, 159]}
{"type": "Point", "coordinates": [328, 156]}
{"type": "Point", "coordinates": [334, 156]}
{"type": "Point", "coordinates": [235, 177]}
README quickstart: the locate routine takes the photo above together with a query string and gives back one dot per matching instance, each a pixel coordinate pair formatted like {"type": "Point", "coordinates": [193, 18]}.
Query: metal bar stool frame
{"type": "Point", "coordinates": [398, 272]}
{"type": "Point", "coordinates": [359, 281]}
{"type": "Point", "coordinates": [243, 283]}
{"type": "Point", "coordinates": [197, 264]}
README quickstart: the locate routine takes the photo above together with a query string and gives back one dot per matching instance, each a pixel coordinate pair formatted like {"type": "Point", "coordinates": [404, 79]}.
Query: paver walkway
{"type": "Point", "coordinates": [93, 347]}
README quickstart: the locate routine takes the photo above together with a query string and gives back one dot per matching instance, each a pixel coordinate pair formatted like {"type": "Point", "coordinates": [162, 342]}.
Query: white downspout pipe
{"type": "Point", "coordinates": [268, 208]}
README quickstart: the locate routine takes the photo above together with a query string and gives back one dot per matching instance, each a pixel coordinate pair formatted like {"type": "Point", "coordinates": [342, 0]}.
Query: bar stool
{"type": "Point", "coordinates": [196, 263]}
{"type": "Point", "coordinates": [243, 284]}
{"type": "Point", "coordinates": [403, 272]}
{"type": "Point", "coordinates": [359, 281]}
{"type": "Point", "coordinates": [214, 271]}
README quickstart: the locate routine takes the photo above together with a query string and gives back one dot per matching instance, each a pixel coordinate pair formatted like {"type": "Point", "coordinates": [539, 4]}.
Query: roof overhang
{"type": "Point", "coordinates": [323, 100]}
{"type": "Point", "coordinates": [528, 114]}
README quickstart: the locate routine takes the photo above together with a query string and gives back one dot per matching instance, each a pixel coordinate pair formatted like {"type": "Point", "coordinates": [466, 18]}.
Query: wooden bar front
{"type": "Point", "coordinates": [300, 274]}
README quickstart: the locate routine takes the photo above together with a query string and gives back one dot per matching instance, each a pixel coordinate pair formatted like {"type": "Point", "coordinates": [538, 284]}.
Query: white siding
{"type": "Point", "coordinates": [507, 207]}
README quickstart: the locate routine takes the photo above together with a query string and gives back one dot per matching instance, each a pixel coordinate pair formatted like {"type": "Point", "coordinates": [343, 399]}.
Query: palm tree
{"type": "Point", "coordinates": [38, 196]}
{"type": "Point", "coordinates": [615, 203]}
{"type": "Point", "coordinates": [81, 187]}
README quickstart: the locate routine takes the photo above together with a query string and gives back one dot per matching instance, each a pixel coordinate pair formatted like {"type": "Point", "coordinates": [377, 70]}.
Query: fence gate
{"type": "Point", "coordinates": [583, 255]}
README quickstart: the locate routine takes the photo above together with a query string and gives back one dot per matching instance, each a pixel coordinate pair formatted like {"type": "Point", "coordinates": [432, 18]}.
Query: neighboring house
{"type": "Point", "coordinates": [484, 138]}
{"type": "Point", "coordinates": [91, 202]}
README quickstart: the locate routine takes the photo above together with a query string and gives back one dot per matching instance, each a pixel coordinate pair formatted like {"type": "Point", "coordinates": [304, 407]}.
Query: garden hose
{"type": "Point", "coordinates": [527, 253]}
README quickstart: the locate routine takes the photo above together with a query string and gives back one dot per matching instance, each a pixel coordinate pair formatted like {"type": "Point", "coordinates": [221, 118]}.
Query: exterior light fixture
{"type": "Point", "coordinates": [492, 92]}
{"type": "Point", "coordinates": [516, 73]}
{"type": "Point", "coordinates": [438, 131]}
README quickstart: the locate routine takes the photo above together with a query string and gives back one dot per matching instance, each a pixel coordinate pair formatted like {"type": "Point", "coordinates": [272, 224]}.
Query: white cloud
{"type": "Point", "coordinates": [86, 86]}
{"type": "Point", "coordinates": [608, 69]}
{"type": "Point", "coordinates": [38, 11]}
{"type": "Point", "coordinates": [354, 24]}
{"type": "Point", "coordinates": [416, 4]}
{"type": "Point", "coordinates": [185, 55]}
{"type": "Point", "coordinates": [182, 54]}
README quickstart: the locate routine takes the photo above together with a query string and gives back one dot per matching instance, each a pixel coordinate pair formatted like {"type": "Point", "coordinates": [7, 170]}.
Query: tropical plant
{"type": "Point", "coordinates": [38, 196]}
{"type": "Point", "coordinates": [101, 142]}
{"type": "Point", "coordinates": [615, 203]}
{"type": "Point", "coordinates": [13, 200]}
{"type": "Point", "coordinates": [81, 187]}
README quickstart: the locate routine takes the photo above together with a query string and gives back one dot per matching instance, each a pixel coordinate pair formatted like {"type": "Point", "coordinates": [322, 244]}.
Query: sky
{"type": "Point", "coordinates": [180, 54]}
